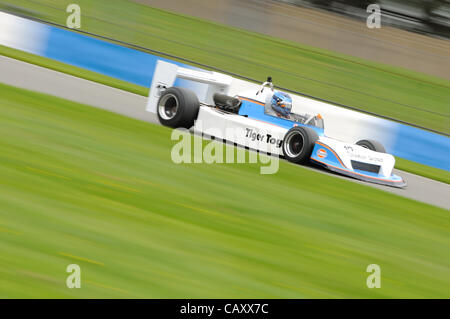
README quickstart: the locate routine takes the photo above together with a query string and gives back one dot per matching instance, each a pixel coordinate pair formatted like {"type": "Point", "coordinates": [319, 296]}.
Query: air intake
{"type": "Point", "coordinates": [366, 167]}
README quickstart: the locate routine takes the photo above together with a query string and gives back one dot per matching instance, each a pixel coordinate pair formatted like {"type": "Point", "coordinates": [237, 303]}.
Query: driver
{"type": "Point", "coordinates": [279, 104]}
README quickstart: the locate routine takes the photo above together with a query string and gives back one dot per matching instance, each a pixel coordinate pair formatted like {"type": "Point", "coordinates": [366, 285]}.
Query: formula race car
{"type": "Point", "coordinates": [261, 118]}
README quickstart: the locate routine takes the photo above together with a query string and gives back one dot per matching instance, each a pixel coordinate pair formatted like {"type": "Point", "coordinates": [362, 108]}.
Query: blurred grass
{"type": "Point", "coordinates": [402, 94]}
{"type": "Point", "coordinates": [405, 165]}
{"type": "Point", "coordinates": [82, 185]}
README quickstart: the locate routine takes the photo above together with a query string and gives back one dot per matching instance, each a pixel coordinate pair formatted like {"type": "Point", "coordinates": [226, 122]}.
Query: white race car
{"type": "Point", "coordinates": [246, 120]}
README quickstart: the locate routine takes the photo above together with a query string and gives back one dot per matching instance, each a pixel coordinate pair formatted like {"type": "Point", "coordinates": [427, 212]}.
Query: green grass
{"type": "Point", "coordinates": [82, 185]}
{"type": "Point", "coordinates": [422, 170]}
{"type": "Point", "coordinates": [402, 94]}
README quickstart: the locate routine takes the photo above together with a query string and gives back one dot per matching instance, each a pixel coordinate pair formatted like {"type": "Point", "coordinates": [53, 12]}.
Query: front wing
{"type": "Point", "coordinates": [356, 161]}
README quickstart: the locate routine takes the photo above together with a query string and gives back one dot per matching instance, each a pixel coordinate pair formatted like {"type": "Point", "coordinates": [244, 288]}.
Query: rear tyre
{"type": "Point", "coordinates": [298, 144]}
{"type": "Point", "coordinates": [372, 145]}
{"type": "Point", "coordinates": [178, 107]}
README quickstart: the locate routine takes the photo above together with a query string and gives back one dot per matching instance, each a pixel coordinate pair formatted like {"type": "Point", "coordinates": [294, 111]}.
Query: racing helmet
{"type": "Point", "coordinates": [281, 103]}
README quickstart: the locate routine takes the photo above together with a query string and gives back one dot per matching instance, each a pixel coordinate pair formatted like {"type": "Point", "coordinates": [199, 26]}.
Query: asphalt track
{"type": "Point", "coordinates": [32, 77]}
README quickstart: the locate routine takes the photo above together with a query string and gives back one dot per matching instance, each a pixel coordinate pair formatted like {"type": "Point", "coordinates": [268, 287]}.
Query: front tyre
{"type": "Point", "coordinates": [372, 145]}
{"type": "Point", "coordinates": [178, 107]}
{"type": "Point", "coordinates": [298, 144]}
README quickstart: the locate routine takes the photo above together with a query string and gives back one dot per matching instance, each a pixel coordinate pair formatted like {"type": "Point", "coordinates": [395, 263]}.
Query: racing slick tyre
{"type": "Point", "coordinates": [178, 107]}
{"type": "Point", "coordinates": [298, 144]}
{"type": "Point", "coordinates": [372, 145]}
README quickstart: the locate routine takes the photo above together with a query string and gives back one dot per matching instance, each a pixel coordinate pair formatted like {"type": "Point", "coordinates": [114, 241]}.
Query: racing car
{"type": "Point", "coordinates": [261, 119]}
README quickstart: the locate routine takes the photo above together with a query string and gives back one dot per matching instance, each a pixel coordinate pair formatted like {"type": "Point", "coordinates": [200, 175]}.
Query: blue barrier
{"type": "Point", "coordinates": [422, 146]}
{"type": "Point", "coordinates": [102, 57]}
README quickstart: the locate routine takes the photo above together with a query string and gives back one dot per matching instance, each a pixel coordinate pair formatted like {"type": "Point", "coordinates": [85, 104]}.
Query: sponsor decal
{"type": "Point", "coordinates": [357, 155]}
{"type": "Point", "coordinates": [266, 138]}
{"type": "Point", "coordinates": [322, 153]}
{"type": "Point", "coordinates": [348, 148]}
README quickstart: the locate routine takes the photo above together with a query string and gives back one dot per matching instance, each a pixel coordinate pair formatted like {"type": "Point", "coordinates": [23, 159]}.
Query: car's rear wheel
{"type": "Point", "coordinates": [178, 107]}
{"type": "Point", "coordinates": [372, 145]}
{"type": "Point", "coordinates": [298, 144]}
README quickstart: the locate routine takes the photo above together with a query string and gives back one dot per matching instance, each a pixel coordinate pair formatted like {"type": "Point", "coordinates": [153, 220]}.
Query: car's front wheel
{"type": "Point", "coordinates": [298, 144]}
{"type": "Point", "coordinates": [178, 107]}
{"type": "Point", "coordinates": [372, 145]}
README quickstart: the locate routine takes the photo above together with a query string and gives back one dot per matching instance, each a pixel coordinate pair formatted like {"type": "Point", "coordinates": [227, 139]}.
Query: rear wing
{"type": "Point", "coordinates": [167, 73]}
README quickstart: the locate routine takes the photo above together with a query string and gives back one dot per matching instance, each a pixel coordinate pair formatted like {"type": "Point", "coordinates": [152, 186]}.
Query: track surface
{"type": "Point", "coordinates": [32, 77]}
